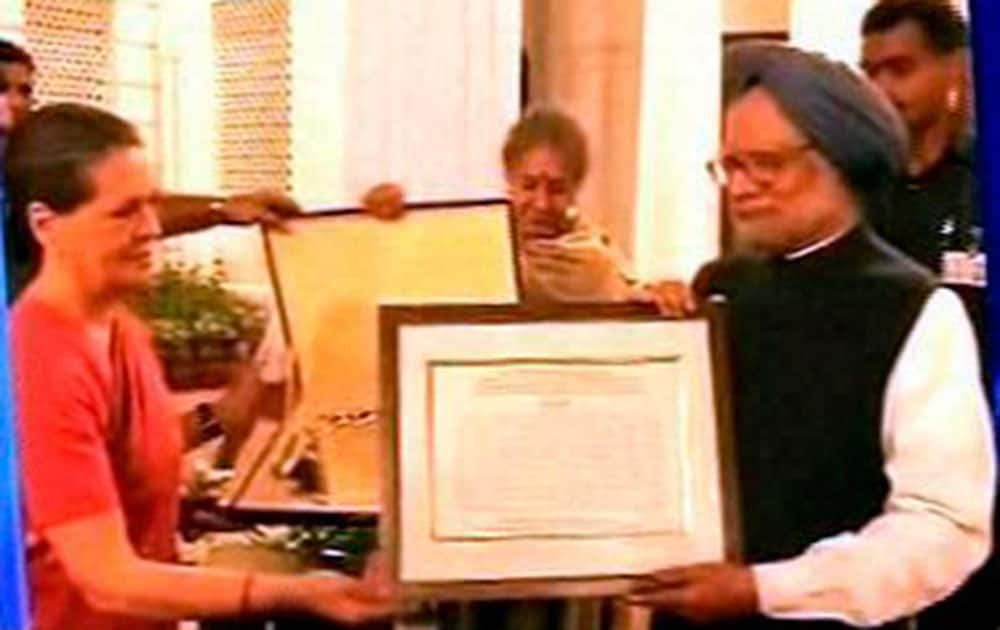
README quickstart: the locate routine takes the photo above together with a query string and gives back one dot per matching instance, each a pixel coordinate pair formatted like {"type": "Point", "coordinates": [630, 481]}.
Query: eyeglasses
{"type": "Point", "coordinates": [761, 167]}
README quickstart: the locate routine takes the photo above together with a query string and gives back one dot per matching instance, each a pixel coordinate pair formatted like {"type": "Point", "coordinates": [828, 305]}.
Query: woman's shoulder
{"type": "Point", "coordinates": [49, 345]}
{"type": "Point", "coordinates": [33, 318]}
{"type": "Point", "coordinates": [43, 325]}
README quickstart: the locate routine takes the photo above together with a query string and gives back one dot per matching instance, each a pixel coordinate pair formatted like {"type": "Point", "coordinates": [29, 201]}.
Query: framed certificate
{"type": "Point", "coordinates": [552, 453]}
{"type": "Point", "coordinates": [330, 272]}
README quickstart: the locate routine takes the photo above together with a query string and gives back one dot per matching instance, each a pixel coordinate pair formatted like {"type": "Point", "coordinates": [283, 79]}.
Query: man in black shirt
{"type": "Point", "coordinates": [916, 53]}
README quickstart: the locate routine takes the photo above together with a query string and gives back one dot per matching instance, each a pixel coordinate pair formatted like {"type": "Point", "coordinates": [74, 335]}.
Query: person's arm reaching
{"type": "Point", "coordinates": [99, 560]}
{"type": "Point", "coordinates": [183, 213]}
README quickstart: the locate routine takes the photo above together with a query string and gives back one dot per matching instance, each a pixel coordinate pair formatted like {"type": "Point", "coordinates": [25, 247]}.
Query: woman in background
{"type": "Point", "coordinates": [563, 257]}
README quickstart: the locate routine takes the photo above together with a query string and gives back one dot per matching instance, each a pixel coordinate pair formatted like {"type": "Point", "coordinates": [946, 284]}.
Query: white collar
{"type": "Point", "coordinates": [818, 245]}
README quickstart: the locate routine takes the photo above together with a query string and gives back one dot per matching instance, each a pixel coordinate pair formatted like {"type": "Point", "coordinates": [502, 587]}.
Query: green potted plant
{"type": "Point", "coordinates": [342, 547]}
{"type": "Point", "coordinates": [202, 329]}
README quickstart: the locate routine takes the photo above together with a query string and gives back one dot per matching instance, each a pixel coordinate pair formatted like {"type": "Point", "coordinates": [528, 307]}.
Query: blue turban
{"type": "Point", "coordinates": [841, 113]}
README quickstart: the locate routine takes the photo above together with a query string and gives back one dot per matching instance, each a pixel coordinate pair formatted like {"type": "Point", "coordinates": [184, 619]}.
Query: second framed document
{"type": "Point", "coordinates": [552, 453]}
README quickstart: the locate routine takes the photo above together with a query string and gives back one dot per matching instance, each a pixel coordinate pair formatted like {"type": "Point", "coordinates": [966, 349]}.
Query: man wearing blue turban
{"type": "Point", "coordinates": [864, 448]}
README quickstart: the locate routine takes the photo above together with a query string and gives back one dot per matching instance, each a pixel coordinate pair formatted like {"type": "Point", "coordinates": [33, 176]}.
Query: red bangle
{"type": "Point", "coordinates": [245, 594]}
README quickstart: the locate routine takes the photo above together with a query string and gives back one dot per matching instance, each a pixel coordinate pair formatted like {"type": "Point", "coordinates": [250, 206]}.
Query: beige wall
{"type": "Point", "coordinates": [740, 16]}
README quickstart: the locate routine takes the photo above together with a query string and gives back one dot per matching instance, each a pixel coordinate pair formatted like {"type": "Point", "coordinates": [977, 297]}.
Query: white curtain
{"type": "Point", "coordinates": [416, 92]}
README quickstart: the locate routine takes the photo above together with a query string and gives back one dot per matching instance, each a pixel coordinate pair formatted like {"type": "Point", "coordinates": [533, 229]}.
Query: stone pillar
{"type": "Point", "coordinates": [584, 56]}
{"type": "Point", "coordinates": [642, 76]}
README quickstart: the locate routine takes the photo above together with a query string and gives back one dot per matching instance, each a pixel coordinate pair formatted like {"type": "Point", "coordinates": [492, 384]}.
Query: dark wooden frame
{"type": "Point", "coordinates": [392, 318]}
{"type": "Point", "coordinates": [318, 514]}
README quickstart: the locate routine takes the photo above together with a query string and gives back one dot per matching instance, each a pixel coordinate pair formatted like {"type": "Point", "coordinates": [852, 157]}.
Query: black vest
{"type": "Point", "coordinates": [812, 343]}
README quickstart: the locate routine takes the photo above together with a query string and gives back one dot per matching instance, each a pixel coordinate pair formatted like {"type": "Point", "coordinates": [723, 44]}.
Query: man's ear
{"type": "Point", "coordinates": [42, 220]}
{"type": "Point", "coordinates": [960, 91]}
{"type": "Point", "coordinates": [959, 69]}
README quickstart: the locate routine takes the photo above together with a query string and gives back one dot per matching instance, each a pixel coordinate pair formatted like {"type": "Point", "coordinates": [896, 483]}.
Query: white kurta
{"type": "Point", "coordinates": [935, 526]}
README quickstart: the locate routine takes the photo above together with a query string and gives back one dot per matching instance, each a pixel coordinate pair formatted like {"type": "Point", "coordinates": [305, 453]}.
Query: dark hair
{"type": "Point", "coordinates": [12, 53]}
{"type": "Point", "coordinates": [542, 126]}
{"type": "Point", "coordinates": [942, 24]}
{"type": "Point", "coordinates": [49, 157]}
